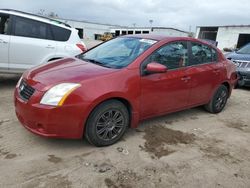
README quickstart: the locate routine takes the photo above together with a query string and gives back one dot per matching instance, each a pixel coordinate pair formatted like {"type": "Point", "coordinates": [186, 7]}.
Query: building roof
{"type": "Point", "coordinates": [122, 27]}
{"type": "Point", "coordinates": [226, 26]}
{"type": "Point", "coordinates": [90, 22]}
{"type": "Point", "coordinates": [149, 28]}
{"type": "Point", "coordinates": [170, 28]}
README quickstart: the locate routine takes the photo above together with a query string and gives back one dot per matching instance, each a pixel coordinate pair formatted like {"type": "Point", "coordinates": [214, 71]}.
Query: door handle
{"type": "Point", "coordinates": [50, 47]}
{"type": "Point", "coordinates": [185, 78]}
{"type": "Point", "coordinates": [2, 41]}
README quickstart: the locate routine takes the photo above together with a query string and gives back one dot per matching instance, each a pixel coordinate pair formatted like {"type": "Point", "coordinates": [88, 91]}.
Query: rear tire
{"type": "Point", "coordinates": [240, 83]}
{"type": "Point", "coordinates": [218, 101]}
{"type": "Point", "coordinates": [107, 123]}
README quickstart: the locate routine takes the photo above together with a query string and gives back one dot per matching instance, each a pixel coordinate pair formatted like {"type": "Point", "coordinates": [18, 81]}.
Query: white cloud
{"type": "Point", "coordinates": [178, 13]}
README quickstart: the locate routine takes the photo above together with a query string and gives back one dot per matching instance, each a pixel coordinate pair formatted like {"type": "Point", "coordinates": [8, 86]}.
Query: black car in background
{"type": "Point", "coordinates": [241, 58]}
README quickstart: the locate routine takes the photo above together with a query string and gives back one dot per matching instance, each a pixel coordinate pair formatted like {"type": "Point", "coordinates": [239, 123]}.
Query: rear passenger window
{"type": "Point", "coordinates": [30, 28]}
{"type": "Point", "coordinates": [202, 54]}
{"type": "Point", "coordinates": [60, 34]}
{"type": "Point", "coordinates": [173, 55]}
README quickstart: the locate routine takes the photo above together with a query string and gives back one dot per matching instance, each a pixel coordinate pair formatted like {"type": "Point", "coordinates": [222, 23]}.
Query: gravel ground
{"type": "Point", "coordinates": [191, 148]}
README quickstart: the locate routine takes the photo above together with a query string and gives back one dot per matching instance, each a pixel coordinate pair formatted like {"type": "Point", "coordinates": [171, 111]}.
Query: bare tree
{"type": "Point", "coordinates": [42, 12]}
{"type": "Point", "coordinates": [52, 15]}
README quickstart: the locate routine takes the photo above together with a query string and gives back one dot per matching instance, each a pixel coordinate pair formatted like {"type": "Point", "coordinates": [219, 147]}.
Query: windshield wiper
{"type": "Point", "coordinates": [96, 62]}
{"type": "Point", "coordinates": [92, 61]}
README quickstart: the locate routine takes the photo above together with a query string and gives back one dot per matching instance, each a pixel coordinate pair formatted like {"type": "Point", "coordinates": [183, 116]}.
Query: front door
{"type": "Point", "coordinates": [169, 91]}
{"type": "Point", "coordinates": [4, 41]}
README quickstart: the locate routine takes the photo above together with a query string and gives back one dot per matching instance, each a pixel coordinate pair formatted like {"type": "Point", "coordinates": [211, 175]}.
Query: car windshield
{"type": "Point", "coordinates": [245, 49]}
{"type": "Point", "coordinates": [117, 53]}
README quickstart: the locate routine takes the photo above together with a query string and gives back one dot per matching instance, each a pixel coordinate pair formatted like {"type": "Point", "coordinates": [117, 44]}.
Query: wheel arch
{"type": "Point", "coordinates": [49, 58]}
{"type": "Point", "coordinates": [54, 58]}
{"type": "Point", "coordinates": [229, 88]}
{"type": "Point", "coordinates": [133, 117]}
{"type": "Point", "coordinates": [123, 100]}
{"type": "Point", "coordinates": [226, 84]}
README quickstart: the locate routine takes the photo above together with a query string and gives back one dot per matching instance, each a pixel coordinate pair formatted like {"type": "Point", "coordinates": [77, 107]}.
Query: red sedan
{"type": "Point", "coordinates": [119, 83]}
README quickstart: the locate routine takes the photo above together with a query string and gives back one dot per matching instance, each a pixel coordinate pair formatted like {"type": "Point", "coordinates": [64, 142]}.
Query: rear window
{"type": "Point", "coordinates": [203, 54]}
{"type": "Point", "coordinates": [60, 34]}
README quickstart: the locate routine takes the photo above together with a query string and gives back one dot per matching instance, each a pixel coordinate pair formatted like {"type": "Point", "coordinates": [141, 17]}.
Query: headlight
{"type": "Point", "coordinates": [19, 82]}
{"type": "Point", "coordinates": [56, 95]}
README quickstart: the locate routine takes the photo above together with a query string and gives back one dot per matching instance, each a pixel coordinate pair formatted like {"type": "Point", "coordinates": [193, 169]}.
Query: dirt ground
{"type": "Point", "coordinates": [191, 148]}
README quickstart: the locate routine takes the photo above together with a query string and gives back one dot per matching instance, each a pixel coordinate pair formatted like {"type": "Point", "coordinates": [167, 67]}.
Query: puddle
{"type": "Point", "coordinates": [236, 124]}
{"type": "Point", "coordinates": [10, 156]}
{"type": "Point", "coordinates": [124, 179]}
{"type": "Point", "coordinates": [158, 137]}
{"type": "Point", "coordinates": [54, 159]}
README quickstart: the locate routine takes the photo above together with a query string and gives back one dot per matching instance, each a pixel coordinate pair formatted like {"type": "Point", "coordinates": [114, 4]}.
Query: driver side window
{"type": "Point", "coordinates": [173, 55]}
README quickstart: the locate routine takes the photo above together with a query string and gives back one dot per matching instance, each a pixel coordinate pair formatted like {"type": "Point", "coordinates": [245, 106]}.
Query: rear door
{"type": "Point", "coordinates": [4, 40]}
{"type": "Point", "coordinates": [204, 71]}
{"type": "Point", "coordinates": [30, 44]}
{"type": "Point", "coordinates": [169, 91]}
{"type": "Point", "coordinates": [65, 45]}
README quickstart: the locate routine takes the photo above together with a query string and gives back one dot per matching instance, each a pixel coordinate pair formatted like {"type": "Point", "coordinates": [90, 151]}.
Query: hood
{"type": "Point", "coordinates": [238, 56]}
{"type": "Point", "coordinates": [241, 65]}
{"type": "Point", "coordinates": [66, 70]}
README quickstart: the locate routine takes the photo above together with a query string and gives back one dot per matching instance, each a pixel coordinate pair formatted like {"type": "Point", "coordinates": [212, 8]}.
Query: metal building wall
{"type": "Point", "coordinates": [227, 37]}
{"type": "Point", "coordinates": [89, 29]}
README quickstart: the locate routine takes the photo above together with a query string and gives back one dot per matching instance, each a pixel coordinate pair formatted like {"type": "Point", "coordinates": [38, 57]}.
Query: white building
{"type": "Point", "coordinates": [91, 30]}
{"type": "Point", "coordinates": [231, 36]}
{"type": "Point", "coordinates": [148, 30]}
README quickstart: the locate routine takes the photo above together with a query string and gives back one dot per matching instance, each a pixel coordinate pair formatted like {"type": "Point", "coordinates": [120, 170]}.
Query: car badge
{"type": "Point", "coordinates": [237, 64]}
{"type": "Point", "coordinates": [21, 87]}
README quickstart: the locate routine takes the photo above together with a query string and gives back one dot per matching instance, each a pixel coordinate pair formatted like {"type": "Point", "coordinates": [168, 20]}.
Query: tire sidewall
{"type": "Point", "coordinates": [90, 131]}
{"type": "Point", "coordinates": [218, 92]}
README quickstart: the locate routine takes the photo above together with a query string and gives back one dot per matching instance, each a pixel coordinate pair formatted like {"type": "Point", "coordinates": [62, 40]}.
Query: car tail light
{"type": "Point", "coordinates": [82, 47]}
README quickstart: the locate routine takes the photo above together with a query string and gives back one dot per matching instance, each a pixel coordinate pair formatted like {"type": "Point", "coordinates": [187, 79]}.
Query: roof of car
{"type": "Point", "coordinates": [35, 16]}
{"type": "Point", "coordinates": [159, 37]}
{"type": "Point", "coordinates": [147, 36]}
{"type": "Point", "coordinates": [168, 38]}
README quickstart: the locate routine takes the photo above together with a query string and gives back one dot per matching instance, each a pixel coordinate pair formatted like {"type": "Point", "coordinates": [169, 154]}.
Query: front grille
{"type": "Point", "coordinates": [242, 64]}
{"type": "Point", "coordinates": [25, 90]}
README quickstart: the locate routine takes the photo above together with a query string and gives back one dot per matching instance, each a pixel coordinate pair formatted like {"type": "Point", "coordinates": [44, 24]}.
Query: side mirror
{"type": "Point", "coordinates": [155, 67]}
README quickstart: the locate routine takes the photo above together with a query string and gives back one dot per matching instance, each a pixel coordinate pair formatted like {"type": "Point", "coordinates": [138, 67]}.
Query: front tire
{"type": "Point", "coordinates": [218, 101]}
{"type": "Point", "coordinates": [107, 123]}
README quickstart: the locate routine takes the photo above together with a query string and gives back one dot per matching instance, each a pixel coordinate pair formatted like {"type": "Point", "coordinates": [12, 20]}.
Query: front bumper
{"type": "Point", "coordinates": [244, 78]}
{"type": "Point", "coordinates": [48, 121]}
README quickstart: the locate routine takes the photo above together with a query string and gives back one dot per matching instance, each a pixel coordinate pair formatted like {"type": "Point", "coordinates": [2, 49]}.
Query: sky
{"type": "Point", "coordinates": [180, 14]}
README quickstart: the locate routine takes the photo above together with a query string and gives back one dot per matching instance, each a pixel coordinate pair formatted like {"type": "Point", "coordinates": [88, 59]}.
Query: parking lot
{"type": "Point", "coordinates": [192, 148]}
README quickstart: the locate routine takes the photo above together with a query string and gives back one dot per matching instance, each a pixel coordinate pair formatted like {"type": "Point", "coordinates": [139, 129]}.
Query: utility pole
{"type": "Point", "coordinates": [151, 23]}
